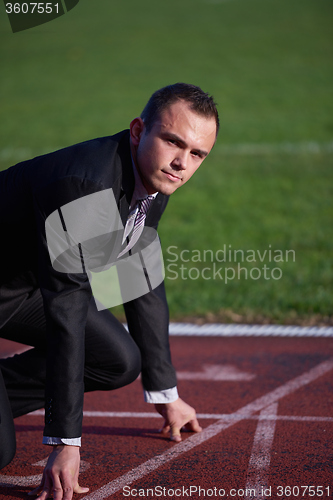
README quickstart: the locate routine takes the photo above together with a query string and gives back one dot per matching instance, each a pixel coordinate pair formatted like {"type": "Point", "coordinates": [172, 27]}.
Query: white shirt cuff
{"type": "Point", "coordinates": [158, 397]}
{"type": "Point", "coordinates": [56, 440]}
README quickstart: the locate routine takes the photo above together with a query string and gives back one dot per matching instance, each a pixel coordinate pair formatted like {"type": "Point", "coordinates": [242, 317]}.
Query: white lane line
{"type": "Point", "coordinates": [201, 416]}
{"type": "Point", "coordinates": [83, 464]}
{"type": "Point", "coordinates": [260, 459]}
{"type": "Point", "coordinates": [10, 481]}
{"type": "Point", "coordinates": [226, 373]}
{"type": "Point", "coordinates": [210, 431]}
{"type": "Point", "coordinates": [294, 418]}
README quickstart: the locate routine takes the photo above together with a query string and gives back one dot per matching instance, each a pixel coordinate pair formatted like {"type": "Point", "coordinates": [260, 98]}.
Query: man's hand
{"type": "Point", "coordinates": [61, 474]}
{"type": "Point", "coordinates": [176, 416]}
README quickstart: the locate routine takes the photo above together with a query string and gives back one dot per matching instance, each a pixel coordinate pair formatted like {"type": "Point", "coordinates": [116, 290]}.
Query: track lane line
{"type": "Point", "coordinates": [211, 431]}
{"type": "Point", "coordinates": [200, 416]}
{"type": "Point", "coordinates": [243, 330]}
{"type": "Point", "coordinates": [260, 459]}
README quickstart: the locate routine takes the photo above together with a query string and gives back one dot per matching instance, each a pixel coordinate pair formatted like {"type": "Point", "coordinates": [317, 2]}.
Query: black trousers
{"type": "Point", "coordinates": [112, 360]}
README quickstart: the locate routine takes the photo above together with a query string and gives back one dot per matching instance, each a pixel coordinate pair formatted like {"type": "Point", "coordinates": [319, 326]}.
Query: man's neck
{"type": "Point", "coordinates": [140, 190]}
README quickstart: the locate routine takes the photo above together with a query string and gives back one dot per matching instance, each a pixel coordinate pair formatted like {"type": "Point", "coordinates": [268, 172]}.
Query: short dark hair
{"type": "Point", "coordinates": [200, 102]}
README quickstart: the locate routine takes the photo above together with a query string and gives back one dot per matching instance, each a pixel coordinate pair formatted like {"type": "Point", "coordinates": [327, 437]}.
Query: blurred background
{"type": "Point", "coordinates": [267, 185]}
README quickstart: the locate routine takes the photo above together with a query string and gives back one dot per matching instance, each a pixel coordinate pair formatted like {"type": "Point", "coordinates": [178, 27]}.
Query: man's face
{"type": "Point", "coordinates": [174, 149]}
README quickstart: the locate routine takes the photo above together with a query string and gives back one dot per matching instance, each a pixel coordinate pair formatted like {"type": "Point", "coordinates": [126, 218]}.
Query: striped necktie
{"type": "Point", "coordinates": [132, 235]}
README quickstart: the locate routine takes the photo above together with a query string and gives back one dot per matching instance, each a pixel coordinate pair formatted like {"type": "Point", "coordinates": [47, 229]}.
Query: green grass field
{"type": "Point", "coordinates": [267, 185]}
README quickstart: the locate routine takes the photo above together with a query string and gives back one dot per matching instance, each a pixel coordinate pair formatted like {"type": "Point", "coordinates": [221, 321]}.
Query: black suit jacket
{"type": "Point", "coordinates": [29, 193]}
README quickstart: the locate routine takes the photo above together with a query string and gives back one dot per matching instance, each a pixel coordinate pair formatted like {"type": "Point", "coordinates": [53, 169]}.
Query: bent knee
{"type": "Point", "coordinates": [130, 366]}
{"type": "Point", "coordinates": [114, 373]}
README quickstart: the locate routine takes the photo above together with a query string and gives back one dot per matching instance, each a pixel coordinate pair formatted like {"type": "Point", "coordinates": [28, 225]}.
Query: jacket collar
{"type": "Point", "coordinates": [127, 176]}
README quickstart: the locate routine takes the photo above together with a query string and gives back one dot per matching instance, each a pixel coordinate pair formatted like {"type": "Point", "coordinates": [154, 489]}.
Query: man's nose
{"type": "Point", "coordinates": [180, 161]}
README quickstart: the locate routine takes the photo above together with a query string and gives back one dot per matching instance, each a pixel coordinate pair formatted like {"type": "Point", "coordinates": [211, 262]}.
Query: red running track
{"type": "Point", "coordinates": [266, 409]}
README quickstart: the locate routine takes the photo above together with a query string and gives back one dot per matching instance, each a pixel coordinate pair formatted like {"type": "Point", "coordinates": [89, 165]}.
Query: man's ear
{"type": "Point", "coordinates": [137, 127]}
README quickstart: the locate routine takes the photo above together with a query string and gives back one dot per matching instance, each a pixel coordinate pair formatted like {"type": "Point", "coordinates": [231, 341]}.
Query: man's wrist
{"type": "Point", "coordinates": [56, 441]}
{"type": "Point", "coordinates": [161, 397]}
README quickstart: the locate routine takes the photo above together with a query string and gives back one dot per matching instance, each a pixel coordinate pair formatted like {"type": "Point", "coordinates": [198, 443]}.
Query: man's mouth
{"type": "Point", "coordinates": [171, 176]}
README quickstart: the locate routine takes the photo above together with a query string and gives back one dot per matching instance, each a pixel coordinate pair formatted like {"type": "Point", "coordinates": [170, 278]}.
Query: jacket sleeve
{"type": "Point", "coordinates": [66, 299]}
{"type": "Point", "coordinates": [148, 322]}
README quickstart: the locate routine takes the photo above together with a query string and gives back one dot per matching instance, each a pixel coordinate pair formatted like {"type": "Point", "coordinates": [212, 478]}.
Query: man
{"type": "Point", "coordinates": [77, 347]}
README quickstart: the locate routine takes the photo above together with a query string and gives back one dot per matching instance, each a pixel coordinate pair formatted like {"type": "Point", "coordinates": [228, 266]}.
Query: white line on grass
{"type": "Point", "coordinates": [211, 431]}
{"type": "Point", "coordinates": [242, 149]}
{"type": "Point", "coordinates": [249, 149]}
